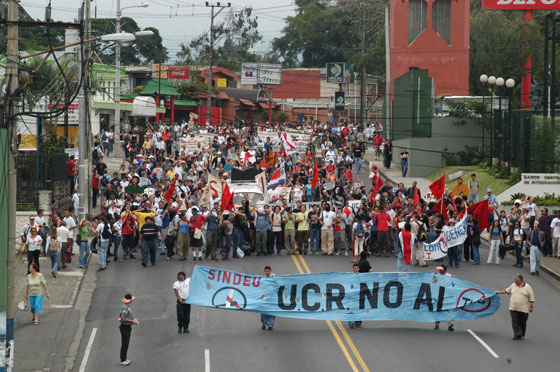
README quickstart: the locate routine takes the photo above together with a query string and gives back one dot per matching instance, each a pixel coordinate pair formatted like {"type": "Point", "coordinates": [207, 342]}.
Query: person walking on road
{"type": "Point", "coordinates": [268, 320]}
{"type": "Point", "coordinates": [149, 238]}
{"type": "Point", "coordinates": [181, 288]}
{"type": "Point", "coordinates": [36, 287]}
{"type": "Point", "coordinates": [555, 226]}
{"type": "Point", "coordinates": [442, 270]}
{"type": "Point", "coordinates": [126, 321]}
{"type": "Point", "coordinates": [521, 304]}
{"type": "Point", "coordinates": [536, 241]}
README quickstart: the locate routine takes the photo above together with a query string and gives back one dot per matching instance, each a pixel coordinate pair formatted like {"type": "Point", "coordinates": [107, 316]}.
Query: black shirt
{"type": "Point", "coordinates": [149, 231]}
{"type": "Point", "coordinates": [365, 267]}
{"type": "Point", "coordinates": [404, 153]}
{"type": "Point", "coordinates": [357, 152]}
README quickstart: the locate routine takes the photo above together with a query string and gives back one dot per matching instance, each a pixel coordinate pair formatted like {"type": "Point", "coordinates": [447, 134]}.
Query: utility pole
{"type": "Point", "coordinates": [117, 134]}
{"type": "Point", "coordinates": [8, 203]}
{"type": "Point", "coordinates": [82, 129]}
{"type": "Point", "coordinates": [363, 96]}
{"type": "Point", "coordinates": [209, 93]}
{"type": "Point", "coordinates": [388, 120]}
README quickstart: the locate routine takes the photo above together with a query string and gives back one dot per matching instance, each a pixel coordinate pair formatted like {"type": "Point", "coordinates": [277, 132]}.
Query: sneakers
{"type": "Point", "coordinates": [125, 362]}
{"type": "Point", "coordinates": [450, 328]}
{"type": "Point", "coordinates": [338, 253]}
{"type": "Point", "coordinates": [270, 328]}
{"type": "Point", "coordinates": [346, 253]}
{"type": "Point", "coordinates": [436, 327]}
{"type": "Point", "coordinates": [263, 327]}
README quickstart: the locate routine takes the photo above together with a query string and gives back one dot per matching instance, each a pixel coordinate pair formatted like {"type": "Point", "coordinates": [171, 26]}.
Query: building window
{"type": "Point", "coordinates": [441, 19]}
{"type": "Point", "coordinates": [417, 18]}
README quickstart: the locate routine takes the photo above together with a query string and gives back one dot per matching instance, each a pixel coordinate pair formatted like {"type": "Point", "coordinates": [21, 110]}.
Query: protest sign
{"type": "Point", "coordinates": [450, 236]}
{"type": "Point", "coordinates": [423, 297]}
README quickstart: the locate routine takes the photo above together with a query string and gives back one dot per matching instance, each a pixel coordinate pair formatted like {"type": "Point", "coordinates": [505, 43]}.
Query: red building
{"type": "Point", "coordinates": [297, 84]}
{"type": "Point", "coordinates": [432, 35]}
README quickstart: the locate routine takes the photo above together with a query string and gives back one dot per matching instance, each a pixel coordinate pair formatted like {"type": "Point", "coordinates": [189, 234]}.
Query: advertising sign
{"type": "Point", "coordinates": [335, 72]}
{"type": "Point", "coordinates": [178, 72]}
{"type": "Point", "coordinates": [249, 73]}
{"type": "Point", "coordinates": [420, 297]}
{"type": "Point", "coordinates": [159, 71]}
{"type": "Point", "coordinates": [339, 101]}
{"type": "Point", "coordinates": [521, 4]}
{"type": "Point", "coordinates": [269, 74]}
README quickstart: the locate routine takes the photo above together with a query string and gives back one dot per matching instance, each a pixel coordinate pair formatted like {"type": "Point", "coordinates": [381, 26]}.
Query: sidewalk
{"type": "Point", "coordinates": [51, 345]}
{"type": "Point", "coordinates": [550, 265]}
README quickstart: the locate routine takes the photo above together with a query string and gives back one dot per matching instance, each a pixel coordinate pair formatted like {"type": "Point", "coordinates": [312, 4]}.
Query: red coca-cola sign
{"type": "Point", "coordinates": [178, 72]}
{"type": "Point", "coordinates": [521, 4]}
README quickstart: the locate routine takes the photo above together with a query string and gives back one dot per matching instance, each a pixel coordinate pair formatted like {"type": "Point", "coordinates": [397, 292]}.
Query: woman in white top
{"type": "Point", "coordinates": [518, 238]}
{"type": "Point", "coordinates": [34, 243]}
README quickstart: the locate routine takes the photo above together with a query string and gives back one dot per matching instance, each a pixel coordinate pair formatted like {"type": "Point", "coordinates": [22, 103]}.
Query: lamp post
{"type": "Point", "coordinates": [510, 84]}
{"type": "Point", "coordinates": [117, 94]}
{"type": "Point", "coordinates": [492, 82]}
{"type": "Point", "coordinates": [484, 81]}
{"type": "Point", "coordinates": [500, 83]}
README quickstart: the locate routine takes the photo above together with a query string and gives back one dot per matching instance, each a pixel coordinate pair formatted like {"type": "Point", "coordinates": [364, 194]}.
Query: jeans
{"type": "Point", "coordinates": [238, 240]}
{"type": "Point", "coordinates": [400, 263]}
{"type": "Point", "coordinates": [459, 255]}
{"type": "Point", "coordinates": [474, 197]}
{"type": "Point", "coordinates": [149, 249]}
{"type": "Point", "coordinates": [494, 251]}
{"type": "Point", "coordinates": [519, 262]}
{"type": "Point", "coordinates": [94, 196]}
{"type": "Point", "coordinates": [268, 320]}
{"type": "Point", "coordinates": [116, 244]}
{"type": "Point", "coordinates": [358, 162]}
{"type": "Point", "coordinates": [54, 260]}
{"type": "Point", "coordinates": [476, 255]}
{"type": "Point", "coordinates": [102, 253]}
{"type": "Point", "coordinates": [84, 254]}
{"type": "Point", "coordinates": [404, 167]}
{"type": "Point", "coordinates": [315, 239]}
{"type": "Point", "coordinates": [452, 254]}
{"type": "Point", "coordinates": [125, 329]}
{"type": "Point", "coordinates": [535, 258]}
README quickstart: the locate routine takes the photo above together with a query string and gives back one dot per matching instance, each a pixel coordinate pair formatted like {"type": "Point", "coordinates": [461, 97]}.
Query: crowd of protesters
{"type": "Point", "coordinates": [155, 203]}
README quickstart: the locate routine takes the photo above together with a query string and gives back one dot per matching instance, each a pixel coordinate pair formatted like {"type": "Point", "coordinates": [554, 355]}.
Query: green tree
{"type": "Point", "coordinates": [324, 31]}
{"type": "Point", "coordinates": [233, 40]}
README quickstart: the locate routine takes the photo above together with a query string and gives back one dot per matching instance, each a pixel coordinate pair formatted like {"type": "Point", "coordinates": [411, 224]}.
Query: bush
{"type": "Point", "coordinates": [546, 199]}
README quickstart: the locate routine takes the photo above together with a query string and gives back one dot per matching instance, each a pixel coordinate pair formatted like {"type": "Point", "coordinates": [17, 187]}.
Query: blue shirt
{"type": "Point", "coordinates": [261, 222]}
{"type": "Point", "coordinates": [536, 241]}
{"type": "Point", "coordinates": [183, 227]}
{"type": "Point", "coordinates": [211, 224]}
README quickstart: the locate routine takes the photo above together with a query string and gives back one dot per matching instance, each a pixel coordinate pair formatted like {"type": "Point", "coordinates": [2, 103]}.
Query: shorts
{"type": "Point", "coordinates": [36, 304]}
{"type": "Point", "coordinates": [197, 242]}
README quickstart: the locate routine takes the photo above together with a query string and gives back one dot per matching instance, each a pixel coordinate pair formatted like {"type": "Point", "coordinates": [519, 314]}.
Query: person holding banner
{"type": "Point", "coordinates": [442, 271]}
{"type": "Point", "coordinates": [521, 304]}
{"type": "Point", "coordinates": [268, 320]}
{"type": "Point", "coordinates": [406, 241]}
{"type": "Point", "coordinates": [357, 271]}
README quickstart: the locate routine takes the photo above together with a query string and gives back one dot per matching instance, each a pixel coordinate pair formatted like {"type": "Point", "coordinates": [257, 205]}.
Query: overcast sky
{"type": "Point", "coordinates": [177, 20]}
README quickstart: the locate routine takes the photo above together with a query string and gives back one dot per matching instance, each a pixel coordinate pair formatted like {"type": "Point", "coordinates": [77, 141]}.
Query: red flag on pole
{"type": "Point", "coordinates": [440, 207]}
{"type": "Point", "coordinates": [171, 189]}
{"type": "Point", "coordinates": [438, 186]}
{"type": "Point", "coordinates": [480, 212]}
{"type": "Point", "coordinates": [416, 199]}
{"type": "Point", "coordinates": [453, 201]}
{"type": "Point", "coordinates": [378, 185]}
{"type": "Point", "coordinates": [227, 199]}
{"type": "Point", "coordinates": [315, 179]}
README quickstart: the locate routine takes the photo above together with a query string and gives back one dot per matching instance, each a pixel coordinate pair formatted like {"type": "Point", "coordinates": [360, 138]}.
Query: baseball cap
{"type": "Point", "coordinates": [489, 190]}
{"type": "Point", "coordinates": [128, 297]}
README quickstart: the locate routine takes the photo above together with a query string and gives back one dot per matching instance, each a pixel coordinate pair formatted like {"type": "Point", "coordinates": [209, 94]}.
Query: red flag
{"type": "Point", "coordinates": [480, 212]}
{"type": "Point", "coordinates": [378, 185]}
{"type": "Point", "coordinates": [171, 189]}
{"type": "Point", "coordinates": [416, 199]}
{"type": "Point", "coordinates": [438, 186]}
{"type": "Point", "coordinates": [440, 207]}
{"type": "Point", "coordinates": [315, 179]}
{"type": "Point", "coordinates": [453, 201]}
{"type": "Point", "coordinates": [227, 199]}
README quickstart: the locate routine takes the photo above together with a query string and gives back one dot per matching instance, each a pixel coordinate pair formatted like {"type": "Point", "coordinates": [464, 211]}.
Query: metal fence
{"type": "Point", "coordinates": [33, 174]}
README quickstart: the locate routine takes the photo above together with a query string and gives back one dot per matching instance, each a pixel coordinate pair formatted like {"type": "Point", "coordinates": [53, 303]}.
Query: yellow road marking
{"type": "Point", "coordinates": [341, 327]}
{"type": "Point", "coordinates": [331, 326]}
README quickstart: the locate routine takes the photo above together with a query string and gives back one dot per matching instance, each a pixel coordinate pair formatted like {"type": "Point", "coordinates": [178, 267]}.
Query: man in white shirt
{"type": "Point", "coordinates": [555, 226]}
{"type": "Point", "coordinates": [70, 225]}
{"type": "Point", "coordinates": [65, 239]}
{"type": "Point", "coordinates": [181, 289]}
{"type": "Point", "coordinates": [327, 233]}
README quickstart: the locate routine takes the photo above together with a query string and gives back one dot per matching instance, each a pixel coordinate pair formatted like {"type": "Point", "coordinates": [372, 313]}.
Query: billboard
{"type": "Point", "coordinates": [178, 72]}
{"type": "Point", "coordinates": [521, 4]}
{"type": "Point", "coordinates": [253, 73]}
{"type": "Point", "coordinates": [159, 71]}
{"type": "Point", "coordinates": [335, 72]}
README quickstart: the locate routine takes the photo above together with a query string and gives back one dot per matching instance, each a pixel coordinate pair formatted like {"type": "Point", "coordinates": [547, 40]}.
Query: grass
{"type": "Point", "coordinates": [486, 180]}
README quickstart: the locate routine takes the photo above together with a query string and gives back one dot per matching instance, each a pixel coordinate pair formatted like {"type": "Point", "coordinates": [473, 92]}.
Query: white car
{"type": "Point", "coordinates": [253, 190]}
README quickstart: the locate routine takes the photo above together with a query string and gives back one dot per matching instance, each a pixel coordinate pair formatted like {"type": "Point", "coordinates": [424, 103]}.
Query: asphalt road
{"type": "Point", "coordinates": [235, 341]}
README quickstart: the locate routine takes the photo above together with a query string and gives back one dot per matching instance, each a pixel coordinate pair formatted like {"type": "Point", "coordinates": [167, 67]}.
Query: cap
{"type": "Point", "coordinates": [517, 201]}
{"type": "Point", "coordinates": [442, 268]}
{"type": "Point", "coordinates": [489, 190]}
{"type": "Point", "coordinates": [128, 297]}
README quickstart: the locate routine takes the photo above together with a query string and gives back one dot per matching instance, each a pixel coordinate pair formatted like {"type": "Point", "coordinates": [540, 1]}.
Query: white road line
{"type": "Point", "coordinates": [88, 350]}
{"type": "Point", "coordinates": [206, 360]}
{"type": "Point", "coordinates": [481, 341]}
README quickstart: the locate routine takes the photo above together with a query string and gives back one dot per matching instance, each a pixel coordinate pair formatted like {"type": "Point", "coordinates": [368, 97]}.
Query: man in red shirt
{"type": "Point", "coordinates": [377, 142]}
{"type": "Point", "coordinates": [197, 223]}
{"type": "Point", "coordinates": [71, 173]}
{"type": "Point", "coordinates": [94, 188]}
{"type": "Point", "coordinates": [128, 232]}
{"type": "Point", "coordinates": [383, 220]}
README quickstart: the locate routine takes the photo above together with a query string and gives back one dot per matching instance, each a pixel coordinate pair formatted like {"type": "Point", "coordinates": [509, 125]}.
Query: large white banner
{"type": "Point", "coordinates": [450, 237]}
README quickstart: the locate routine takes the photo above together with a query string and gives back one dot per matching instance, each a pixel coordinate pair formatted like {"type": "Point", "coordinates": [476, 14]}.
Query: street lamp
{"type": "Point", "coordinates": [117, 96]}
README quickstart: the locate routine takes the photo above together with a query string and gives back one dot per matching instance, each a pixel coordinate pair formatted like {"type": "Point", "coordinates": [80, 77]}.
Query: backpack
{"type": "Point", "coordinates": [95, 153]}
{"type": "Point", "coordinates": [360, 232]}
{"type": "Point", "coordinates": [104, 181]}
{"type": "Point", "coordinates": [106, 233]}
{"type": "Point", "coordinates": [422, 236]}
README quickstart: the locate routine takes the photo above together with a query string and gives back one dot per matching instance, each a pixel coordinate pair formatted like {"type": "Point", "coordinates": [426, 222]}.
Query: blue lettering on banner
{"type": "Point", "coordinates": [423, 297]}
